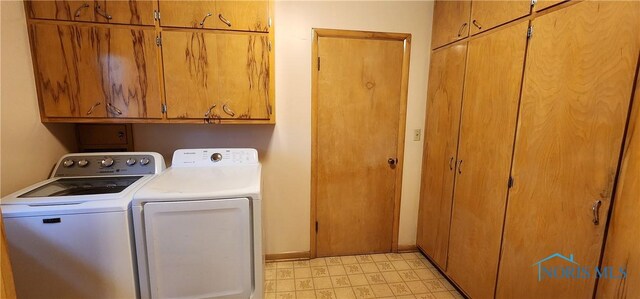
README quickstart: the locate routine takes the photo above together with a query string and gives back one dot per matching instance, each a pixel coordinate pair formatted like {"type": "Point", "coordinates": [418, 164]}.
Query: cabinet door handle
{"type": "Point", "coordinates": [228, 110]}
{"type": "Point", "coordinates": [451, 163]}
{"type": "Point", "coordinates": [596, 211]}
{"type": "Point", "coordinates": [79, 10]}
{"type": "Point", "coordinates": [224, 20]}
{"type": "Point", "coordinates": [205, 18]}
{"type": "Point", "coordinates": [462, 28]}
{"type": "Point", "coordinates": [93, 107]}
{"type": "Point", "coordinates": [460, 167]}
{"type": "Point", "coordinates": [114, 109]}
{"type": "Point", "coordinates": [103, 13]}
{"type": "Point", "coordinates": [475, 23]}
{"type": "Point", "coordinates": [208, 113]}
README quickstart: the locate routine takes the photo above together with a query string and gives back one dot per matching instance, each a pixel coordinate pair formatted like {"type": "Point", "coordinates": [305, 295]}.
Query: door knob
{"type": "Point", "coordinates": [392, 161]}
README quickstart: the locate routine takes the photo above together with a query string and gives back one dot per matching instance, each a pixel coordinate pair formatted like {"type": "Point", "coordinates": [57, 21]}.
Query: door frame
{"type": "Point", "coordinates": [406, 39]}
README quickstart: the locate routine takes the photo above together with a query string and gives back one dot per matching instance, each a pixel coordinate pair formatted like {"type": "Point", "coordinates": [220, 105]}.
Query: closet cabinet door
{"type": "Point", "coordinates": [68, 71]}
{"type": "Point", "coordinates": [135, 12]}
{"type": "Point", "coordinates": [487, 132]}
{"type": "Point", "coordinates": [191, 77]}
{"type": "Point", "coordinates": [67, 10]}
{"type": "Point", "coordinates": [444, 100]}
{"type": "Point", "coordinates": [488, 14]}
{"type": "Point", "coordinates": [242, 15]}
{"type": "Point", "coordinates": [450, 21]}
{"type": "Point", "coordinates": [190, 14]}
{"type": "Point", "coordinates": [243, 76]}
{"type": "Point", "coordinates": [577, 86]}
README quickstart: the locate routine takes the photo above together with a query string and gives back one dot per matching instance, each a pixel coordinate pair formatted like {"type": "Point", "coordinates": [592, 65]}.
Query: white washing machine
{"type": "Point", "coordinates": [198, 227]}
{"type": "Point", "coordinates": [71, 236]}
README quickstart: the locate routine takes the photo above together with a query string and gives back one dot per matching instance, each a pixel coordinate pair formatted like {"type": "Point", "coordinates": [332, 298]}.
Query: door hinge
{"type": "Point", "coordinates": [156, 15]}
{"type": "Point", "coordinates": [159, 41]}
{"type": "Point", "coordinates": [510, 183]}
{"type": "Point", "coordinates": [318, 63]}
{"type": "Point", "coordinates": [164, 108]}
{"type": "Point", "coordinates": [530, 31]}
{"type": "Point", "coordinates": [533, 2]}
{"type": "Point", "coordinates": [316, 226]}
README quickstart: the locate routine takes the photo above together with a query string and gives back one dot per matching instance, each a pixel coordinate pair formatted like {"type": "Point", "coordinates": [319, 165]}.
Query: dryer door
{"type": "Point", "coordinates": [199, 249]}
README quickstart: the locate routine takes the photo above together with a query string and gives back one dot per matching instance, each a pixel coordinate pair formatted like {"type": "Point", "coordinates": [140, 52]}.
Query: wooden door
{"type": "Point", "coordinates": [67, 70]}
{"type": "Point", "coordinates": [580, 70]}
{"type": "Point", "coordinates": [488, 14]}
{"type": "Point", "coordinates": [358, 114]}
{"type": "Point", "coordinates": [243, 76]}
{"type": "Point", "coordinates": [67, 10]}
{"type": "Point", "coordinates": [450, 21]}
{"type": "Point", "coordinates": [135, 12]}
{"type": "Point", "coordinates": [191, 81]}
{"type": "Point", "coordinates": [191, 14]}
{"type": "Point", "coordinates": [487, 130]}
{"type": "Point", "coordinates": [623, 243]}
{"type": "Point", "coordinates": [242, 15]}
{"type": "Point", "coordinates": [129, 68]}
{"type": "Point", "coordinates": [444, 101]}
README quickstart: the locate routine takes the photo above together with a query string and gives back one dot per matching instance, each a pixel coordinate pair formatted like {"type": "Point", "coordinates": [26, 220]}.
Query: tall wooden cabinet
{"type": "Point", "coordinates": [444, 101]}
{"type": "Point", "coordinates": [544, 113]}
{"type": "Point", "coordinates": [578, 82]}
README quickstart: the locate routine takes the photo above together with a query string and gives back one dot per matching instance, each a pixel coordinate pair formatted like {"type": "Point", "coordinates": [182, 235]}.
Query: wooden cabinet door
{"type": "Point", "coordinates": [577, 85]}
{"type": "Point", "coordinates": [190, 73]}
{"type": "Point", "coordinates": [242, 15]}
{"type": "Point", "coordinates": [487, 131]}
{"type": "Point", "coordinates": [130, 72]}
{"type": "Point", "coordinates": [135, 12]}
{"type": "Point", "coordinates": [67, 10]}
{"type": "Point", "coordinates": [191, 14]}
{"type": "Point", "coordinates": [243, 76]}
{"type": "Point", "coordinates": [488, 14]}
{"type": "Point", "coordinates": [444, 100]}
{"type": "Point", "coordinates": [67, 70]}
{"type": "Point", "coordinates": [450, 21]}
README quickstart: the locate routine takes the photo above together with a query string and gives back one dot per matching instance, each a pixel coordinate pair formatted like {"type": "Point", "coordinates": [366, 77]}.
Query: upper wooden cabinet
{"type": "Point", "coordinates": [488, 14]}
{"type": "Point", "coordinates": [135, 12]}
{"type": "Point", "coordinates": [216, 76]}
{"type": "Point", "coordinates": [450, 22]}
{"type": "Point", "coordinates": [92, 72]}
{"type": "Point", "coordinates": [220, 14]}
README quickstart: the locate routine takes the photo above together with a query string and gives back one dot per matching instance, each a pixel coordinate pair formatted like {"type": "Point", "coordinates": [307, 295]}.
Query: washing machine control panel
{"type": "Point", "coordinates": [106, 164]}
{"type": "Point", "coordinates": [214, 157]}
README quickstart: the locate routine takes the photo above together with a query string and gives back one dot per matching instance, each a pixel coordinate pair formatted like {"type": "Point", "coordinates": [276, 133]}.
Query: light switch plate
{"type": "Point", "coordinates": [417, 133]}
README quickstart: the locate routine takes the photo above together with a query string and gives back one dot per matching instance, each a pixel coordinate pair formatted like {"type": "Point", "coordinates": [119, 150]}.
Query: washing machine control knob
{"type": "Point", "coordinates": [106, 162]}
{"type": "Point", "coordinates": [67, 163]}
{"type": "Point", "coordinates": [216, 157]}
{"type": "Point", "coordinates": [131, 161]}
{"type": "Point", "coordinates": [144, 161]}
{"type": "Point", "coordinates": [83, 163]}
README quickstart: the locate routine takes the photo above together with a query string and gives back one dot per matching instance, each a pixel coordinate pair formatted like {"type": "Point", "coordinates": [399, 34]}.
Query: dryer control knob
{"type": "Point", "coordinates": [144, 161]}
{"type": "Point", "coordinates": [107, 162]}
{"type": "Point", "coordinates": [67, 163]}
{"type": "Point", "coordinates": [83, 163]}
{"type": "Point", "coordinates": [131, 161]}
{"type": "Point", "coordinates": [216, 157]}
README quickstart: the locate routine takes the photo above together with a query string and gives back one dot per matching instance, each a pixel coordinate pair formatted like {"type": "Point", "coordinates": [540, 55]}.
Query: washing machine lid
{"type": "Point", "coordinates": [202, 183]}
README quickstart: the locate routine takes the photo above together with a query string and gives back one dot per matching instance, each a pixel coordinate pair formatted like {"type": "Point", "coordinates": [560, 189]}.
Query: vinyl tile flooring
{"type": "Point", "coordinates": [390, 275]}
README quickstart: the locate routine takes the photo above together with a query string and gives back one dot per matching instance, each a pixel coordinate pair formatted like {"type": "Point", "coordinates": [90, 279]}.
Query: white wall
{"type": "Point", "coordinates": [285, 148]}
{"type": "Point", "coordinates": [28, 149]}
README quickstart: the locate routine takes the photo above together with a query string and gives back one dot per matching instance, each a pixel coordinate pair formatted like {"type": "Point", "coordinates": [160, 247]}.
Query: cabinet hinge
{"type": "Point", "coordinates": [159, 41]}
{"type": "Point", "coordinates": [533, 2]}
{"type": "Point", "coordinates": [269, 22]}
{"type": "Point", "coordinates": [164, 108]}
{"type": "Point", "coordinates": [156, 15]}
{"type": "Point", "coordinates": [530, 31]}
{"type": "Point", "coordinates": [510, 183]}
{"type": "Point", "coordinates": [316, 226]}
{"type": "Point", "coordinates": [318, 63]}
